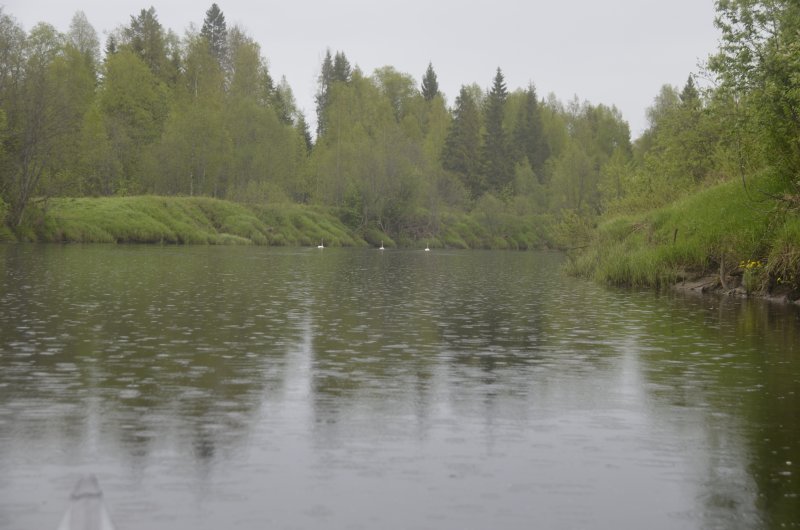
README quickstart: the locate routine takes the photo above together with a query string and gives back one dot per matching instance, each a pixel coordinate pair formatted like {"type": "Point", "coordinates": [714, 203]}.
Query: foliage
{"type": "Point", "coordinates": [758, 66]}
{"type": "Point", "coordinates": [201, 117]}
{"type": "Point", "coordinates": [707, 233]}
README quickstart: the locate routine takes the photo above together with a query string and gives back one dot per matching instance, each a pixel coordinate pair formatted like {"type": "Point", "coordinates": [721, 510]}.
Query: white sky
{"type": "Point", "coordinates": [615, 52]}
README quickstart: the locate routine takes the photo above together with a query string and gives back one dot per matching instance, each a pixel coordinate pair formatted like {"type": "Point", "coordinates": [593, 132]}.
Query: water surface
{"type": "Point", "coordinates": [215, 387]}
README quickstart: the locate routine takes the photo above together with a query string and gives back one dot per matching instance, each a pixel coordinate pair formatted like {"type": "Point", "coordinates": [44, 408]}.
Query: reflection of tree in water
{"type": "Point", "coordinates": [389, 331]}
{"type": "Point", "coordinates": [133, 349]}
{"type": "Point", "coordinates": [144, 346]}
{"type": "Point", "coordinates": [373, 338]}
{"type": "Point", "coordinates": [737, 364]}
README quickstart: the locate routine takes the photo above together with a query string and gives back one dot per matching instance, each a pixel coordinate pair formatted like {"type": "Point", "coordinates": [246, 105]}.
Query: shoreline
{"type": "Point", "coordinates": [711, 285]}
{"type": "Point", "coordinates": [154, 219]}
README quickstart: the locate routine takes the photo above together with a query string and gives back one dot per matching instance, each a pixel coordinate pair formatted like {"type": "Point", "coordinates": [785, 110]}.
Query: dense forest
{"type": "Point", "coordinates": [151, 113]}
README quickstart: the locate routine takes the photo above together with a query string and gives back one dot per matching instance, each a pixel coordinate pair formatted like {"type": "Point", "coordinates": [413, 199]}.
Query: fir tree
{"type": "Point", "coordinates": [302, 127]}
{"type": "Point", "coordinates": [324, 82]}
{"type": "Point", "coordinates": [334, 69]}
{"type": "Point", "coordinates": [215, 32]}
{"type": "Point", "coordinates": [111, 45]}
{"type": "Point", "coordinates": [461, 153]}
{"type": "Point", "coordinates": [690, 96]}
{"type": "Point", "coordinates": [430, 85]}
{"type": "Point", "coordinates": [284, 102]}
{"type": "Point", "coordinates": [528, 141]}
{"type": "Point", "coordinates": [341, 68]}
{"type": "Point", "coordinates": [146, 38]}
{"type": "Point", "coordinates": [498, 169]}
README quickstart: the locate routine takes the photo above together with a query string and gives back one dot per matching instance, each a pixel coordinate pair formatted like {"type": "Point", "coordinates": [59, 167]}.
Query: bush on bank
{"type": "Point", "coordinates": [716, 232]}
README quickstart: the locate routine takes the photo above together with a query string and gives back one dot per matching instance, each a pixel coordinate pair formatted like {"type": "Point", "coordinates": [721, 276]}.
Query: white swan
{"type": "Point", "coordinates": [321, 244]}
{"type": "Point", "coordinates": [381, 246]}
{"type": "Point", "coordinates": [427, 249]}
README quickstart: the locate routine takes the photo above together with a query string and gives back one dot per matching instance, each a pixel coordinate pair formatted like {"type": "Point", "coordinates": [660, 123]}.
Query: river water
{"type": "Point", "coordinates": [219, 387]}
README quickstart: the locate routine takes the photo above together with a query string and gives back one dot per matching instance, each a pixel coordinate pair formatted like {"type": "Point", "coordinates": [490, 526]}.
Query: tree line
{"type": "Point", "coordinates": [154, 113]}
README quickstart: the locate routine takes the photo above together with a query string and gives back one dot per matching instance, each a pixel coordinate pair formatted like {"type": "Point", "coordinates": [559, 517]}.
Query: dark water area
{"type": "Point", "coordinates": [219, 387]}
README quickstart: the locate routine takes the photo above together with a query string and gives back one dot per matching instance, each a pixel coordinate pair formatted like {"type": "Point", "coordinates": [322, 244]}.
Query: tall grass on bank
{"type": "Point", "coordinates": [712, 232]}
{"type": "Point", "coordinates": [190, 220]}
{"type": "Point", "coordinates": [203, 220]}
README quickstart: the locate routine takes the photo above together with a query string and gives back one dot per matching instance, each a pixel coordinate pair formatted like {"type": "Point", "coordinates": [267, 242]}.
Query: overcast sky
{"type": "Point", "coordinates": [615, 52]}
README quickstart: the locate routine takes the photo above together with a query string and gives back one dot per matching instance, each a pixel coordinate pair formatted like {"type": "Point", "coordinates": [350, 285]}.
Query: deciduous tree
{"type": "Point", "coordinates": [83, 37]}
{"type": "Point", "coordinates": [758, 65]}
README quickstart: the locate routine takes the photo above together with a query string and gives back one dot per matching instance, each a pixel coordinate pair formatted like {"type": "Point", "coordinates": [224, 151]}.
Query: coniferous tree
{"type": "Point", "coordinates": [342, 71]}
{"type": "Point", "coordinates": [302, 127]}
{"type": "Point", "coordinates": [430, 85]}
{"type": "Point", "coordinates": [284, 102]}
{"type": "Point", "coordinates": [215, 32]}
{"type": "Point", "coordinates": [146, 38]}
{"type": "Point", "coordinates": [461, 153]}
{"type": "Point", "coordinates": [334, 69]}
{"type": "Point", "coordinates": [112, 44]}
{"type": "Point", "coordinates": [690, 96]}
{"type": "Point", "coordinates": [528, 140]}
{"type": "Point", "coordinates": [498, 167]}
{"type": "Point", "coordinates": [324, 82]}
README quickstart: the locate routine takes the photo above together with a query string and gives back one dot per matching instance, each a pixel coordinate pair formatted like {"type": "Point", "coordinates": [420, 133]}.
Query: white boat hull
{"type": "Point", "coordinates": [86, 511]}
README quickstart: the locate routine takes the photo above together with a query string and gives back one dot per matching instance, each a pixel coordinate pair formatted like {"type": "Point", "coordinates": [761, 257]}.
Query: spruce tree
{"type": "Point", "coordinates": [146, 38]}
{"type": "Point", "coordinates": [334, 69]}
{"type": "Point", "coordinates": [302, 128]}
{"type": "Point", "coordinates": [462, 148]}
{"type": "Point", "coordinates": [324, 82]}
{"type": "Point", "coordinates": [430, 85]}
{"type": "Point", "coordinates": [341, 68]}
{"type": "Point", "coordinates": [498, 167]}
{"type": "Point", "coordinates": [690, 96]}
{"type": "Point", "coordinates": [215, 32]}
{"type": "Point", "coordinates": [283, 101]}
{"type": "Point", "coordinates": [528, 141]}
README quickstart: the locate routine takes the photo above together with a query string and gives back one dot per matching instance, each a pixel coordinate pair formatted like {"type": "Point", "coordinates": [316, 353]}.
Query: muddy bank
{"type": "Point", "coordinates": [713, 286]}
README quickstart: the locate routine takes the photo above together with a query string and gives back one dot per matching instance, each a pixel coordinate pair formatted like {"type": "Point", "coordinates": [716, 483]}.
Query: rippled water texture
{"type": "Point", "coordinates": [212, 387]}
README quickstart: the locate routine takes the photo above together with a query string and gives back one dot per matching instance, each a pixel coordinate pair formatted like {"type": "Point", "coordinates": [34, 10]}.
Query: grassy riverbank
{"type": "Point", "coordinates": [179, 220]}
{"type": "Point", "coordinates": [203, 220]}
{"type": "Point", "coordinates": [742, 239]}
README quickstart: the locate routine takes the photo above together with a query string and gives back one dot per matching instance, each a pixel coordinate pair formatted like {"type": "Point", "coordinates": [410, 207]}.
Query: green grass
{"type": "Point", "coordinates": [297, 225]}
{"type": "Point", "coordinates": [203, 220]}
{"type": "Point", "coordinates": [179, 220]}
{"type": "Point", "coordinates": [708, 232]}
